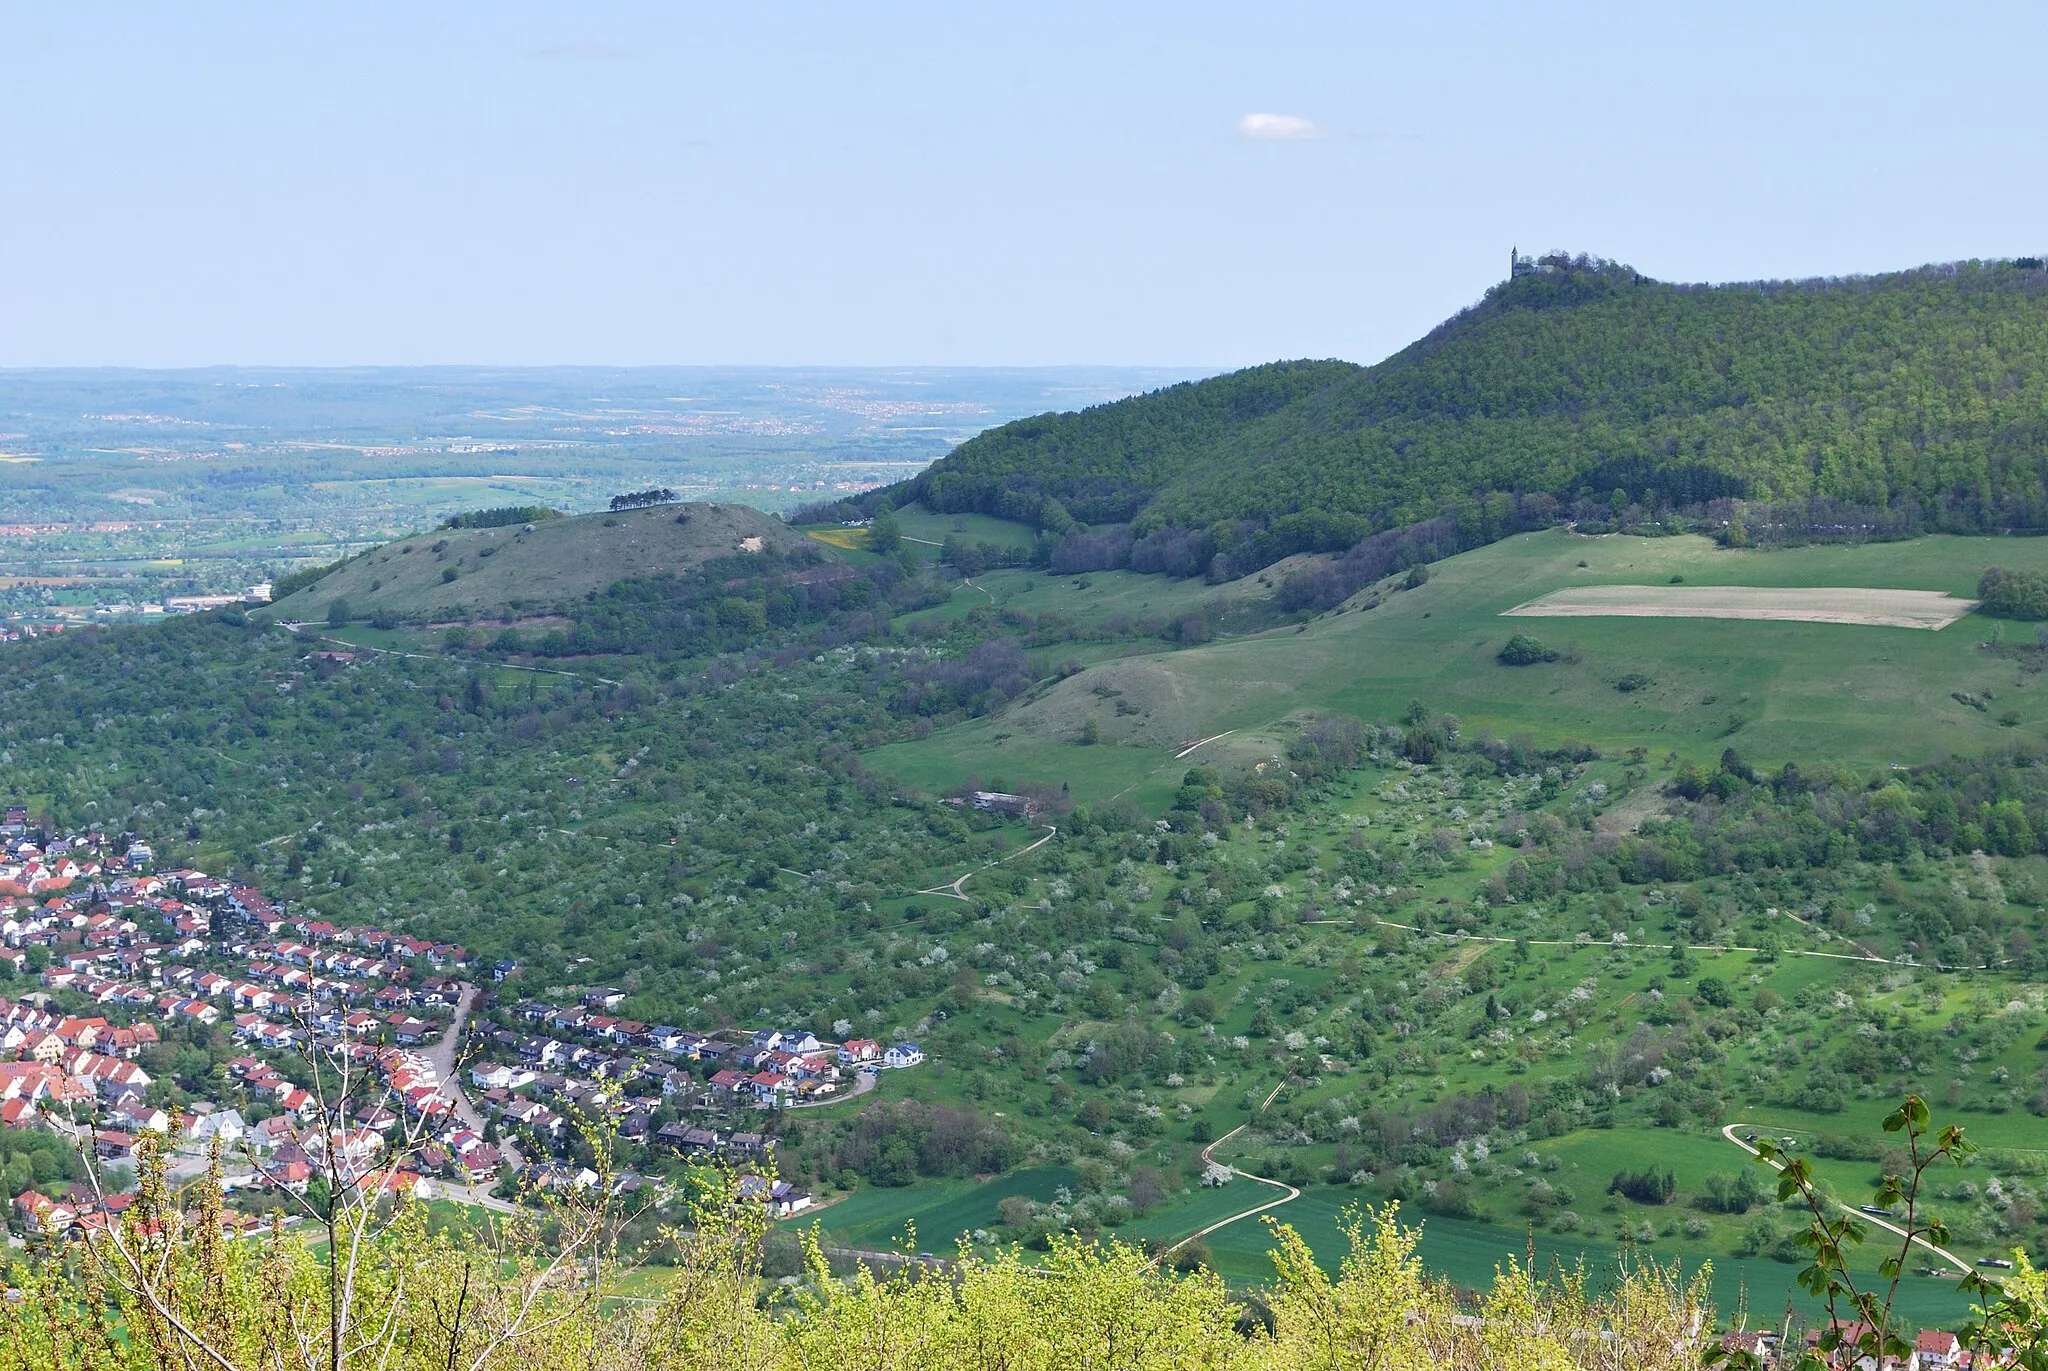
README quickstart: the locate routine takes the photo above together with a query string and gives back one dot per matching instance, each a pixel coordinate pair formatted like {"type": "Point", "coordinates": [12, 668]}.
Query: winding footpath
{"type": "Point", "coordinates": [952, 887]}
{"type": "Point", "coordinates": [1209, 1156]}
{"type": "Point", "coordinates": [1728, 1132]}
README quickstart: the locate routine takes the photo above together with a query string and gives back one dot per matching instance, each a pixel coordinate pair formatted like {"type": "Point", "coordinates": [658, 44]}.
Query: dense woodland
{"type": "Point", "coordinates": [1579, 389]}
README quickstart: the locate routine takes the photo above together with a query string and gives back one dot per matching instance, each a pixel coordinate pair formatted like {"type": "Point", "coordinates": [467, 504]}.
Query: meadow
{"type": "Point", "coordinates": [1854, 694]}
{"type": "Point", "coordinates": [883, 1218]}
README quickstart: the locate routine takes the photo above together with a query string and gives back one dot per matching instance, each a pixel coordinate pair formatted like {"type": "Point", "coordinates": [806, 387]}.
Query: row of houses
{"type": "Point", "coordinates": [1933, 1350]}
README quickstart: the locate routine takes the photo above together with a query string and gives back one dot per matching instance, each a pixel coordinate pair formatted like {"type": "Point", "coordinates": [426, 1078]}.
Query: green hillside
{"type": "Point", "coordinates": [1855, 694]}
{"type": "Point", "coordinates": [533, 568]}
{"type": "Point", "coordinates": [1916, 397]}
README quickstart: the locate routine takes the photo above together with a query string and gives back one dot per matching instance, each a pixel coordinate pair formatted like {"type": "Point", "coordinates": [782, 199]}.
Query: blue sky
{"type": "Point", "coordinates": [963, 183]}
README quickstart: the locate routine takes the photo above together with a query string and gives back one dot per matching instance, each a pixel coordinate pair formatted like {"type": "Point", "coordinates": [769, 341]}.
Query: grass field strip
{"type": "Point", "coordinates": [1928, 609]}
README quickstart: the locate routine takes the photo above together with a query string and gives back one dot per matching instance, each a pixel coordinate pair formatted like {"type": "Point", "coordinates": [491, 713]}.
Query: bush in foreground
{"type": "Point", "coordinates": [164, 1288]}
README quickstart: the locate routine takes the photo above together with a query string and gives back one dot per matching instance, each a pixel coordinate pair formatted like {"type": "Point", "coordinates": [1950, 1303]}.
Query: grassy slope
{"type": "Point", "coordinates": [558, 560]}
{"type": "Point", "coordinates": [924, 527]}
{"type": "Point", "coordinates": [1788, 682]}
{"type": "Point", "coordinates": [875, 1217]}
{"type": "Point", "coordinates": [1778, 691]}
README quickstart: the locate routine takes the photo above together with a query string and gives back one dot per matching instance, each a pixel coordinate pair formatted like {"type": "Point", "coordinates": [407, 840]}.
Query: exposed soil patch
{"type": "Point", "coordinates": [1926, 609]}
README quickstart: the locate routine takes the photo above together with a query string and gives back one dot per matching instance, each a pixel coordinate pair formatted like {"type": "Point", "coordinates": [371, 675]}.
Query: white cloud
{"type": "Point", "coordinates": [1279, 128]}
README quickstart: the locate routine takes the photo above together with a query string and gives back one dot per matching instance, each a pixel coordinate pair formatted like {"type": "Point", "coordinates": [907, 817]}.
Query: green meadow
{"type": "Point", "coordinates": [923, 526]}
{"type": "Point", "coordinates": [1778, 691]}
{"type": "Point", "coordinates": [1469, 1253]}
{"type": "Point", "coordinates": [880, 1218]}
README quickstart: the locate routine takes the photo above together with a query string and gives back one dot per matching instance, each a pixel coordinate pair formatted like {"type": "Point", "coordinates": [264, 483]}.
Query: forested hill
{"type": "Point", "coordinates": [1921, 396]}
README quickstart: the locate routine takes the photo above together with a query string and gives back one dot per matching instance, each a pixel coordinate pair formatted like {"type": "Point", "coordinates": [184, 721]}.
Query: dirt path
{"type": "Point", "coordinates": [1728, 1132]}
{"type": "Point", "coordinates": [952, 887]}
{"type": "Point", "coordinates": [1469, 954]}
{"type": "Point", "coordinates": [1182, 754]}
{"type": "Point", "coordinates": [1209, 1155]}
{"type": "Point", "coordinates": [1178, 756]}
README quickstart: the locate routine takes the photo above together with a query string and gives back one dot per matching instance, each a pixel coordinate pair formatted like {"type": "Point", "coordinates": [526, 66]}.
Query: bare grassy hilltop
{"type": "Point", "coordinates": [530, 568]}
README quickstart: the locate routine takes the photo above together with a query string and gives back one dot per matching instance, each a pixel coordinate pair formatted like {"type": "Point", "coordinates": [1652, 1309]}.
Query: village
{"type": "Point", "coordinates": [130, 965]}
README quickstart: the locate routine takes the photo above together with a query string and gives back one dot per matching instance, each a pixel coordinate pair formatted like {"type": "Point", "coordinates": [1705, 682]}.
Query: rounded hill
{"type": "Point", "coordinates": [1918, 394]}
{"type": "Point", "coordinates": [530, 568]}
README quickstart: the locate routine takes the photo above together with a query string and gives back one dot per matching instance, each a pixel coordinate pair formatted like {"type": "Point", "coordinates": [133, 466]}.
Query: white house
{"type": "Point", "coordinates": [493, 1077]}
{"type": "Point", "coordinates": [225, 1124]}
{"type": "Point", "coordinates": [903, 1054]}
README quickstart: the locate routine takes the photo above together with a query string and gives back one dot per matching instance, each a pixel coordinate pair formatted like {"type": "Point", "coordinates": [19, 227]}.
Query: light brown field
{"type": "Point", "coordinates": [1926, 609]}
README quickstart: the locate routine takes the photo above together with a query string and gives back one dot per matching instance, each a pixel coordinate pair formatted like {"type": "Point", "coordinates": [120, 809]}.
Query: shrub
{"type": "Point", "coordinates": [1733, 1194]}
{"type": "Point", "coordinates": [1648, 1186]}
{"type": "Point", "coordinates": [1522, 650]}
{"type": "Point", "coordinates": [2014, 594]}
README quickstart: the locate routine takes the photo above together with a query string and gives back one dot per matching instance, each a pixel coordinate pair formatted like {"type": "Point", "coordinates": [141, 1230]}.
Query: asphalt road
{"type": "Point", "coordinates": [442, 1055]}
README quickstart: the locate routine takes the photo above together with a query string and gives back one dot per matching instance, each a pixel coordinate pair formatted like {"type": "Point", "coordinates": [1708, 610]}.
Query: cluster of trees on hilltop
{"type": "Point", "coordinates": [502, 516]}
{"type": "Point", "coordinates": [1908, 401]}
{"type": "Point", "coordinates": [641, 499]}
